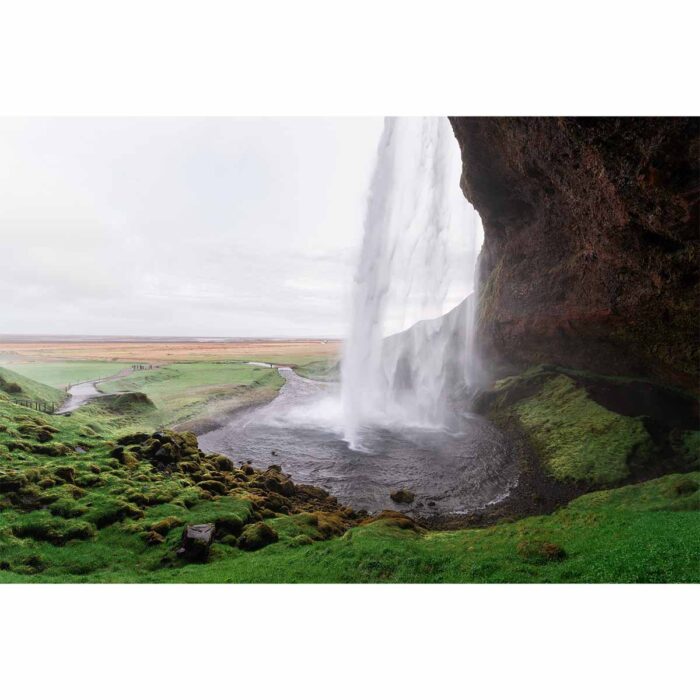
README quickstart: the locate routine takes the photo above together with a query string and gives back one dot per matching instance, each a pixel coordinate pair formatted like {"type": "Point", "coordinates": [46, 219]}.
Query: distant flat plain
{"type": "Point", "coordinates": [193, 383]}
{"type": "Point", "coordinates": [294, 351]}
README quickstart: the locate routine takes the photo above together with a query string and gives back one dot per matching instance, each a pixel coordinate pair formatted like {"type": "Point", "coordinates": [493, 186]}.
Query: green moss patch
{"type": "Point", "coordinates": [576, 437]}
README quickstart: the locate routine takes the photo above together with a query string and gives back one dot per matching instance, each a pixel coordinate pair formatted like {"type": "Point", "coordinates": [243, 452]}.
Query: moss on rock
{"type": "Point", "coordinates": [578, 438]}
{"type": "Point", "coordinates": [403, 496]}
{"type": "Point", "coordinates": [257, 536]}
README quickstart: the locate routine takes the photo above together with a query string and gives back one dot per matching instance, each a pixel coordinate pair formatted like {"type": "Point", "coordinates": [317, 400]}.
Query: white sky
{"type": "Point", "coordinates": [179, 226]}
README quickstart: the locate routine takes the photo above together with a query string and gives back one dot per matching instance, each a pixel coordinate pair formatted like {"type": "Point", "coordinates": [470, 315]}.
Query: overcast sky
{"type": "Point", "coordinates": [174, 226]}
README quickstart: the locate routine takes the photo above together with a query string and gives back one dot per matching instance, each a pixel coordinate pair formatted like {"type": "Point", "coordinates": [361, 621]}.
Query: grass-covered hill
{"type": "Point", "coordinates": [192, 394]}
{"type": "Point", "coordinates": [87, 498]}
{"type": "Point", "coordinates": [61, 373]}
{"type": "Point", "coordinates": [18, 386]}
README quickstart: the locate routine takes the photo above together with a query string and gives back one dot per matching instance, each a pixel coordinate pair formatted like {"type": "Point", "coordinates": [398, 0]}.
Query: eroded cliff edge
{"type": "Point", "coordinates": [591, 255]}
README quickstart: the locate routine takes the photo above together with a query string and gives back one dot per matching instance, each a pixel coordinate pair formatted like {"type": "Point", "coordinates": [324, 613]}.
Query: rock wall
{"type": "Point", "coordinates": [591, 254]}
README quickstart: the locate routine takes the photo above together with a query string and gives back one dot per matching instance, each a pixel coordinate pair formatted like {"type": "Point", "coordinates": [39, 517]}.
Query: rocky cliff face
{"type": "Point", "coordinates": [591, 255]}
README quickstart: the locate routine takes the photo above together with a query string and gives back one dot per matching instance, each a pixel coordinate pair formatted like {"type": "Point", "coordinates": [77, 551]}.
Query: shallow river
{"type": "Point", "coordinates": [459, 472]}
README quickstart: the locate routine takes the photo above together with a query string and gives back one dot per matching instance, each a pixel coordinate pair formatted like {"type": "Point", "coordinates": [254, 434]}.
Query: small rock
{"type": "Point", "coordinates": [402, 496]}
{"type": "Point", "coordinates": [196, 541]}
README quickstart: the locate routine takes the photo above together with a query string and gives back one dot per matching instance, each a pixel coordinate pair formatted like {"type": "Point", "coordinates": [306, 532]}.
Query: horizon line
{"type": "Point", "coordinates": [96, 337]}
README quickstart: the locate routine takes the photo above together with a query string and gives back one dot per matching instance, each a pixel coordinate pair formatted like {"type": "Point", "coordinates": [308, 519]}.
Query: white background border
{"type": "Point", "coordinates": [332, 58]}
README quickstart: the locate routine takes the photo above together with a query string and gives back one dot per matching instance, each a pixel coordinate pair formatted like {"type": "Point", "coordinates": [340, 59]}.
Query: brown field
{"type": "Point", "coordinates": [275, 351]}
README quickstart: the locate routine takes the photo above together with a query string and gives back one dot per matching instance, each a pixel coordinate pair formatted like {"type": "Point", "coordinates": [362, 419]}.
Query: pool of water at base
{"type": "Point", "coordinates": [450, 473]}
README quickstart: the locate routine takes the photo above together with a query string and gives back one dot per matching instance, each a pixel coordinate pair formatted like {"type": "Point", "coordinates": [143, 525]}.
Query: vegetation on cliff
{"type": "Point", "coordinates": [592, 430]}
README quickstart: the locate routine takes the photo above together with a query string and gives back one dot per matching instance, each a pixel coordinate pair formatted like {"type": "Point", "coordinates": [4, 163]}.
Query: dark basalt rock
{"type": "Point", "coordinates": [196, 541]}
{"type": "Point", "coordinates": [591, 242]}
{"type": "Point", "coordinates": [270, 492]}
{"type": "Point", "coordinates": [402, 496]}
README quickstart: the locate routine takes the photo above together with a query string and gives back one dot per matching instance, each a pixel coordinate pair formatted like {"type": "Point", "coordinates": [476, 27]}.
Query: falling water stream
{"type": "Point", "coordinates": [400, 418]}
{"type": "Point", "coordinates": [418, 261]}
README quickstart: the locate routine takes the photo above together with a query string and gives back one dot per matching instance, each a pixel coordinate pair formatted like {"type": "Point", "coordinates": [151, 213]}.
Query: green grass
{"type": "Point", "coordinates": [61, 374]}
{"type": "Point", "coordinates": [31, 389]}
{"type": "Point", "coordinates": [185, 390]}
{"type": "Point", "coordinates": [89, 516]}
{"type": "Point", "coordinates": [643, 533]}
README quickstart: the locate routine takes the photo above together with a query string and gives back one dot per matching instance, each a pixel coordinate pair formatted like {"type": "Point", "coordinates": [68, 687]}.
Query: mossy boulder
{"type": "Point", "coordinates": [55, 531]}
{"type": "Point", "coordinates": [65, 474]}
{"type": "Point", "coordinates": [167, 453]}
{"type": "Point", "coordinates": [223, 463]}
{"type": "Point", "coordinates": [67, 508]}
{"type": "Point", "coordinates": [133, 439]}
{"type": "Point", "coordinates": [113, 511]}
{"type": "Point", "coordinates": [54, 449]}
{"type": "Point", "coordinates": [277, 484]}
{"type": "Point", "coordinates": [10, 387]}
{"type": "Point", "coordinates": [165, 525]}
{"type": "Point", "coordinates": [213, 487]}
{"type": "Point", "coordinates": [229, 524]}
{"type": "Point", "coordinates": [299, 541]}
{"type": "Point", "coordinates": [125, 457]}
{"type": "Point", "coordinates": [403, 496]}
{"type": "Point", "coordinates": [152, 537]}
{"type": "Point", "coordinates": [257, 536]}
{"type": "Point", "coordinates": [392, 518]}
{"type": "Point", "coordinates": [685, 487]}
{"type": "Point", "coordinates": [11, 481]}
{"type": "Point", "coordinates": [329, 525]}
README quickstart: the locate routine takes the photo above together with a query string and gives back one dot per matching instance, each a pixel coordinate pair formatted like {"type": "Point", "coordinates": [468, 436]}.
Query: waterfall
{"type": "Point", "coordinates": [411, 340]}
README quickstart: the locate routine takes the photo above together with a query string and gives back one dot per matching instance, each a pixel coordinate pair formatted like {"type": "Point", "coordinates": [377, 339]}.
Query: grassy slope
{"type": "Point", "coordinates": [61, 374]}
{"type": "Point", "coordinates": [577, 438]}
{"type": "Point", "coordinates": [187, 389]}
{"type": "Point", "coordinates": [641, 533]}
{"type": "Point", "coordinates": [31, 389]}
{"type": "Point", "coordinates": [94, 528]}
{"type": "Point", "coordinates": [646, 532]}
{"type": "Point", "coordinates": [326, 370]}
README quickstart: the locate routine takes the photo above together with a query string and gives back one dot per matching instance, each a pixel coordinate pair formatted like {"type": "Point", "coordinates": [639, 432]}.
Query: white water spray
{"type": "Point", "coordinates": [418, 262]}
